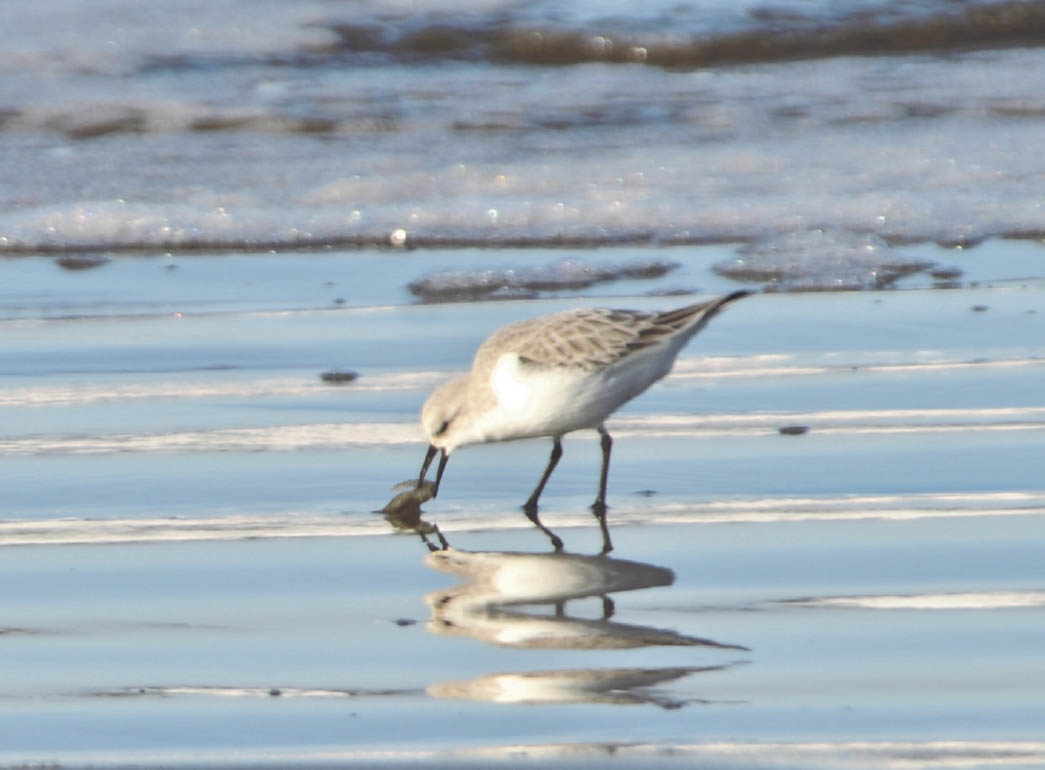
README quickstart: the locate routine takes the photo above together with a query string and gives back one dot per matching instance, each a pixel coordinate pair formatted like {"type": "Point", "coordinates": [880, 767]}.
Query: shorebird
{"type": "Point", "coordinates": [554, 374]}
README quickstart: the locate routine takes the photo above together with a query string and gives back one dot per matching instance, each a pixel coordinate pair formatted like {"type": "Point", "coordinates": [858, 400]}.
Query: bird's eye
{"type": "Point", "coordinates": [442, 428]}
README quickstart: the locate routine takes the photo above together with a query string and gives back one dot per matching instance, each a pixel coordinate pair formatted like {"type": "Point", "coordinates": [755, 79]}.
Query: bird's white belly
{"type": "Point", "coordinates": [552, 401]}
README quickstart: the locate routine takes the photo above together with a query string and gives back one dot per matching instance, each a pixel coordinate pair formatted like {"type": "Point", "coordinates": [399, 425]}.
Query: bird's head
{"type": "Point", "coordinates": [440, 412]}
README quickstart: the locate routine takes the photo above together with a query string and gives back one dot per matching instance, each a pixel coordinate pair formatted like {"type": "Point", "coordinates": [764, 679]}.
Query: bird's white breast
{"type": "Point", "coordinates": [533, 401]}
{"type": "Point", "coordinates": [543, 401]}
{"type": "Point", "coordinates": [513, 391]}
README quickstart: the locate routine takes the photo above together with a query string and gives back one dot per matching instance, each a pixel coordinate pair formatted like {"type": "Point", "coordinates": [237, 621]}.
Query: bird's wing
{"type": "Point", "coordinates": [584, 339]}
{"type": "Point", "coordinates": [592, 338]}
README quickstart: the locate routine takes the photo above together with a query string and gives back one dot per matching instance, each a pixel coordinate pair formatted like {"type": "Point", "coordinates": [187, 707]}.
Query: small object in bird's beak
{"type": "Point", "coordinates": [407, 504]}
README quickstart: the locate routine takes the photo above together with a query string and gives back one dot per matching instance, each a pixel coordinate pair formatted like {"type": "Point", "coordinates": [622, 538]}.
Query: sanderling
{"type": "Point", "coordinates": [554, 374]}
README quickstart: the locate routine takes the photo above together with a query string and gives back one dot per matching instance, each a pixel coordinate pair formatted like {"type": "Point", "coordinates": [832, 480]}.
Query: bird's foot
{"type": "Point", "coordinates": [598, 509]}
{"type": "Point", "coordinates": [530, 509]}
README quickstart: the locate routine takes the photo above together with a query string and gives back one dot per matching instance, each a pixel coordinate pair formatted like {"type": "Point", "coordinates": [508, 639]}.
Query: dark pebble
{"type": "Point", "coordinates": [338, 376]}
{"type": "Point", "coordinates": [406, 622]}
{"type": "Point", "coordinates": [80, 263]}
{"type": "Point", "coordinates": [946, 273]}
{"type": "Point", "coordinates": [275, 692]}
{"type": "Point", "coordinates": [793, 430]}
{"type": "Point", "coordinates": [979, 308]}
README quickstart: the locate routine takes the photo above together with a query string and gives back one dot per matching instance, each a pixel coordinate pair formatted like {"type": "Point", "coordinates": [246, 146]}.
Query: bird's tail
{"type": "Point", "coordinates": [693, 318]}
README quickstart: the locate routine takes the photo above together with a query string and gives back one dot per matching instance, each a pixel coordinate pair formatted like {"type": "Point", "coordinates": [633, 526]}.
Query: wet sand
{"type": "Point", "coordinates": [196, 575]}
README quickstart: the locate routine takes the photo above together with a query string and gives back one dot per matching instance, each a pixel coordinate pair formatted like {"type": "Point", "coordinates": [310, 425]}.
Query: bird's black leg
{"type": "Point", "coordinates": [552, 462]}
{"type": "Point", "coordinates": [530, 506]}
{"type": "Point", "coordinates": [599, 506]}
{"type": "Point", "coordinates": [428, 543]}
{"type": "Point", "coordinates": [443, 544]}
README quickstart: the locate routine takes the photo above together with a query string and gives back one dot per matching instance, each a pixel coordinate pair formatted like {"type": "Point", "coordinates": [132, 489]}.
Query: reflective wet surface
{"type": "Point", "coordinates": [837, 633]}
{"type": "Point", "coordinates": [205, 562]}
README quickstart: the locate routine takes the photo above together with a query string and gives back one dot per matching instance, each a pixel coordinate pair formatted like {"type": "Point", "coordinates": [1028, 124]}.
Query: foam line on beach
{"type": "Point", "coordinates": [242, 692]}
{"type": "Point", "coordinates": [298, 524]}
{"type": "Point", "coordinates": [835, 421]}
{"type": "Point", "coordinates": [881, 755]}
{"type": "Point", "coordinates": [72, 531]}
{"type": "Point", "coordinates": [975, 600]}
{"type": "Point", "coordinates": [217, 387]}
{"type": "Point", "coordinates": [741, 755]}
{"type": "Point", "coordinates": [323, 436]}
{"type": "Point", "coordinates": [221, 386]}
{"type": "Point", "coordinates": [281, 438]}
{"type": "Point", "coordinates": [791, 365]}
{"type": "Point", "coordinates": [842, 416]}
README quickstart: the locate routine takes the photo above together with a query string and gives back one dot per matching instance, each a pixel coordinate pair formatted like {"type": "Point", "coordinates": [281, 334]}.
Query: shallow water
{"type": "Point", "coordinates": [197, 576]}
{"type": "Point", "coordinates": [268, 650]}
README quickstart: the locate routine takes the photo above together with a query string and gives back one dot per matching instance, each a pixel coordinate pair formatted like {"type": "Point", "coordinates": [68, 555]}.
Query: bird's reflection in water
{"type": "Point", "coordinates": [498, 600]}
{"type": "Point", "coordinates": [616, 686]}
{"type": "Point", "coordinates": [496, 604]}
{"type": "Point", "coordinates": [489, 604]}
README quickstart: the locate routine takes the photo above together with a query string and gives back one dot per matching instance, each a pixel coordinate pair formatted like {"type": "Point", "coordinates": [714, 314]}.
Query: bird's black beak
{"type": "Point", "coordinates": [424, 466]}
{"type": "Point", "coordinates": [429, 456]}
{"type": "Point", "coordinates": [439, 473]}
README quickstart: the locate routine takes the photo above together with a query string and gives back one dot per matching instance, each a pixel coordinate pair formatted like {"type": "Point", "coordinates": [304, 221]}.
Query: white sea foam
{"type": "Point", "coordinates": [686, 368]}
{"type": "Point", "coordinates": [777, 365]}
{"type": "Point", "coordinates": [284, 438]}
{"type": "Point", "coordinates": [730, 755]}
{"type": "Point", "coordinates": [237, 692]}
{"type": "Point", "coordinates": [295, 524]}
{"type": "Point", "coordinates": [323, 436]}
{"type": "Point", "coordinates": [69, 531]}
{"type": "Point", "coordinates": [880, 755]}
{"type": "Point", "coordinates": [835, 422]}
{"type": "Point", "coordinates": [802, 147]}
{"type": "Point", "coordinates": [90, 393]}
{"type": "Point", "coordinates": [976, 600]}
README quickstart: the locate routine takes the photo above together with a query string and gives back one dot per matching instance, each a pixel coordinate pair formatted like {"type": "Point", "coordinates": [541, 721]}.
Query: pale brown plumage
{"type": "Point", "coordinates": [554, 374]}
{"type": "Point", "coordinates": [588, 338]}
